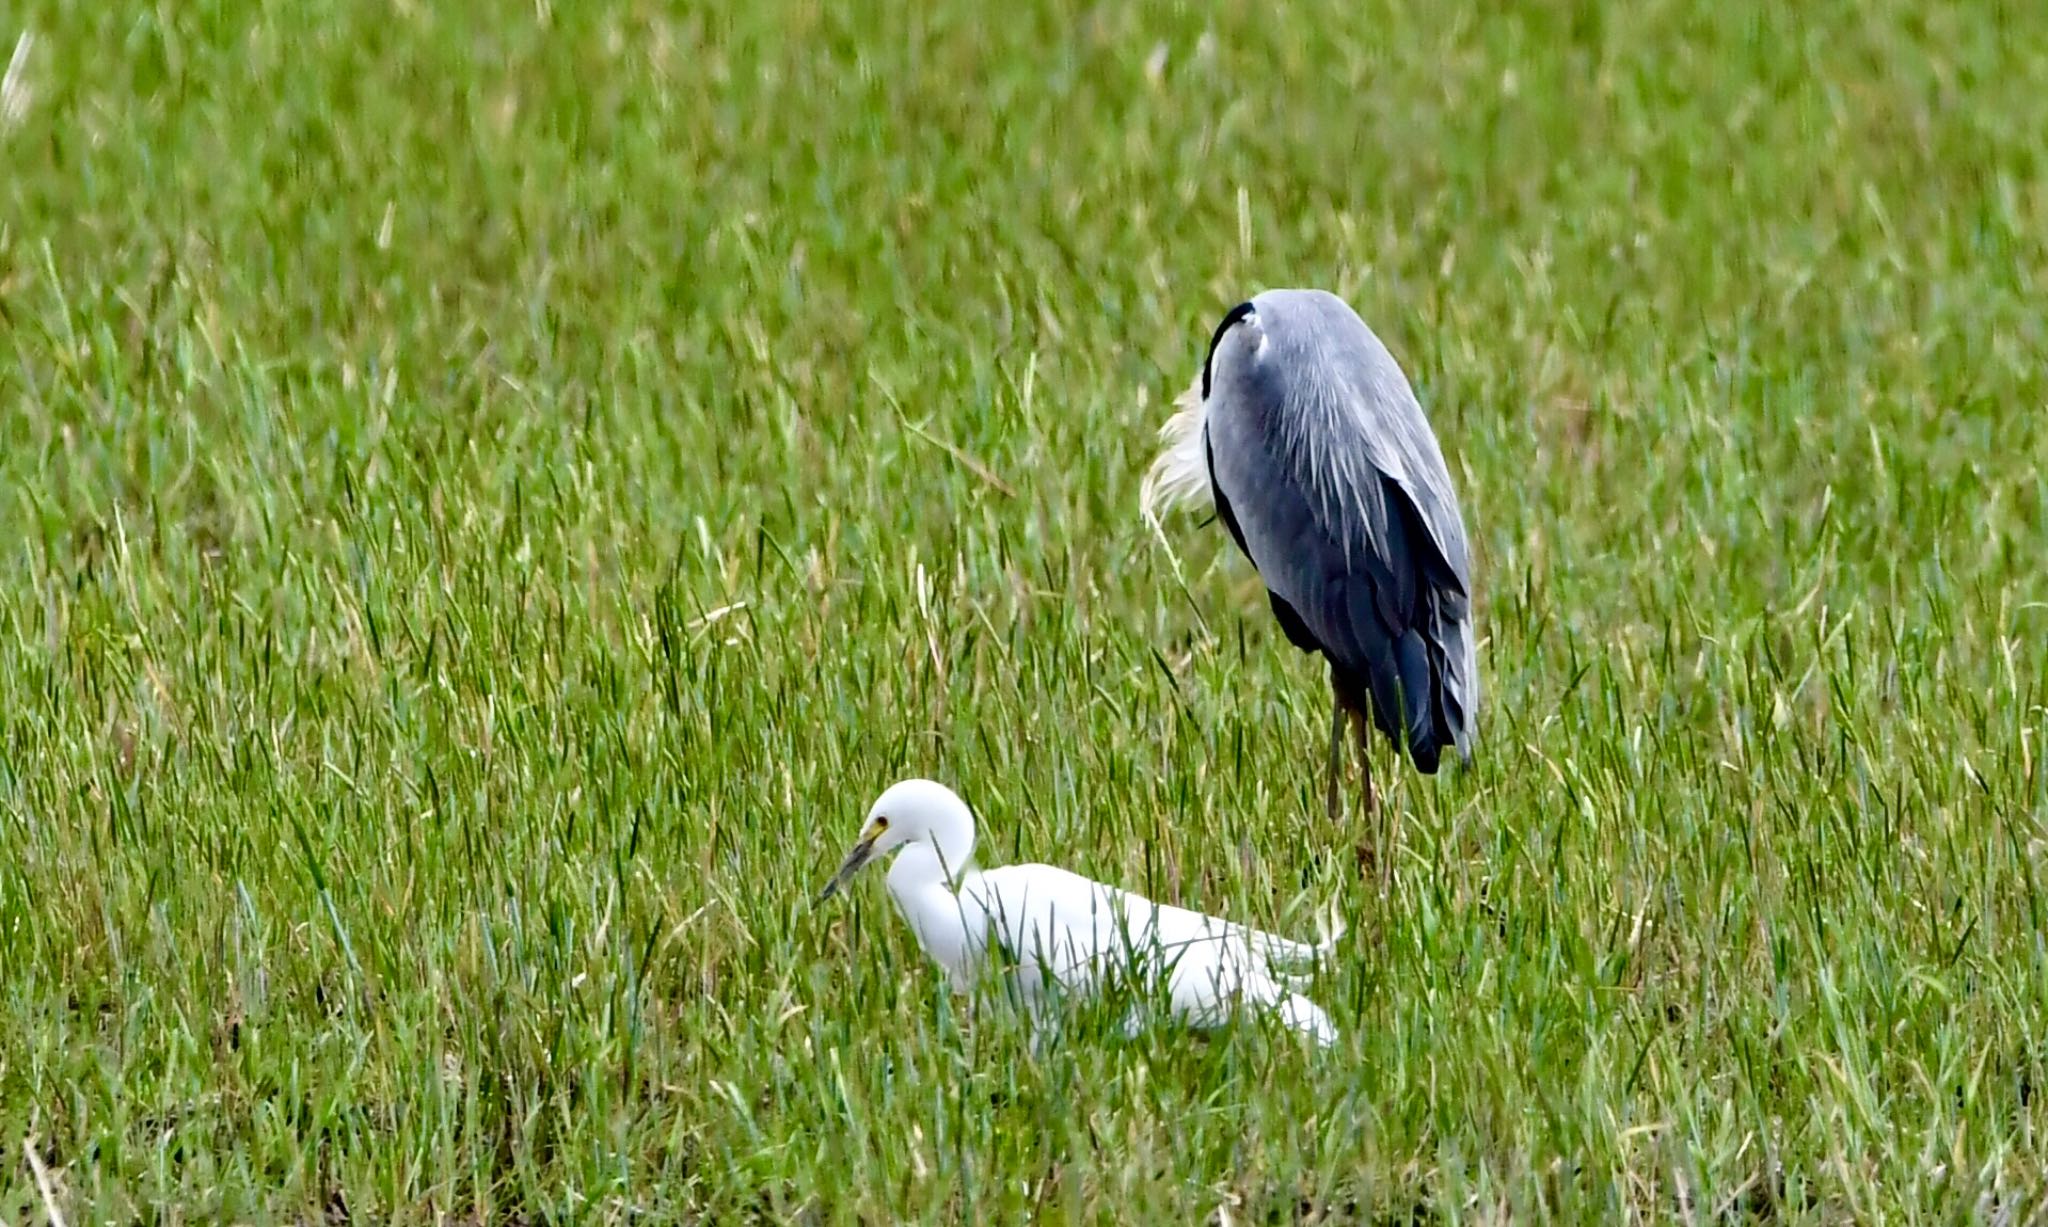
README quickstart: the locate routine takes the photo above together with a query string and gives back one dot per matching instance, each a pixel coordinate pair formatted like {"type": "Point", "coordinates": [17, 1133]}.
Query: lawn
{"type": "Point", "coordinates": [489, 493]}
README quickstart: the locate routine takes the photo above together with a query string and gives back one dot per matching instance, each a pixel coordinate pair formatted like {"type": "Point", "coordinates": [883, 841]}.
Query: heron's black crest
{"type": "Point", "coordinates": [1236, 313]}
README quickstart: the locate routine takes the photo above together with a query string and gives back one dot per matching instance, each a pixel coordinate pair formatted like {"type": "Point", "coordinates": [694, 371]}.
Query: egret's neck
{"type": "Point", "coordinates": [925, 882]}
{"type": "Point", "coordinates": [943, 853]}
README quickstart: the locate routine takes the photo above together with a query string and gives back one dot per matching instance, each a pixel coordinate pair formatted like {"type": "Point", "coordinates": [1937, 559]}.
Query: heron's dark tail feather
{"type": "Point", "coordinates": [1457, 690]}
{"type": "Point", "coordinates": [1418, 705]}
{"type": "Point", "coordinates": [1378, 695]}
{"type": "Point", "coordinates": [1403, 695]}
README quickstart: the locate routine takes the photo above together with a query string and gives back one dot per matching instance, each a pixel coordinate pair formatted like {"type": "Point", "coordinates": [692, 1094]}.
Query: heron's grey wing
{"type": "Point", "coordinates": [1372, 415]}
{"type": "Point", "coordinates": [1328, 477]}
{"type": "Point", "coordinates": [1397, 441]}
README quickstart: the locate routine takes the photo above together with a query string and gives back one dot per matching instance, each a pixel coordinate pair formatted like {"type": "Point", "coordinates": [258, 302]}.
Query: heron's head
{"type": "Point", "coordinates": [911, 812]}
{"type": "Point", "coordinates": [1286, 344]}
{"type": "Point", "coordinates": [1239, 338]}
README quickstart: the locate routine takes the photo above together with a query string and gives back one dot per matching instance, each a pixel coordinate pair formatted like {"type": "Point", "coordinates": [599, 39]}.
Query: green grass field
{"type": "Point", "coordinates": [489, 493]}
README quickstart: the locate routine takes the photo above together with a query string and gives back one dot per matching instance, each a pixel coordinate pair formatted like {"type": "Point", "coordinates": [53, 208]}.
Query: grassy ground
{"type": "Point", "coordinates": [488, 493]}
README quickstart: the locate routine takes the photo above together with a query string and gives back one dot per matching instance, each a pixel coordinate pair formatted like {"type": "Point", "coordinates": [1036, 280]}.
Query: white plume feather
{"type": "Point", "coordinates": [1181, 473]}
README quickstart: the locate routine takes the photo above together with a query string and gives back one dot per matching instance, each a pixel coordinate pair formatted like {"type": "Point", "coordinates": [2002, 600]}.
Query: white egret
{"type": "Point", "coordinates": [1066, 933]}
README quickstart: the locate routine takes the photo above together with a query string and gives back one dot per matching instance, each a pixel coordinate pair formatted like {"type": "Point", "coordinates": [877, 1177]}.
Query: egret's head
{"type": "Point", "coordinates": [912, 811]}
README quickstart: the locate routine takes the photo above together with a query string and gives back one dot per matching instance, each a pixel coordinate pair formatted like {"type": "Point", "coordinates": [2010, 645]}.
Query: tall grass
{"type": "Point", "coordinates": [490, 492]}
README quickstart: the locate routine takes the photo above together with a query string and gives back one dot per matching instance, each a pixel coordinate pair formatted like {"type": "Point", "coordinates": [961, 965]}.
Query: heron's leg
{"type": "Point", "coordinates": [1372, 800]}
{"type": "Point", "coordinates": [1383, 820]}
{"type": "Point", "coordinates": [1380, 822]}
{"type": "Point", "coordinates": [1374, 849]}
{"type": "Point", "coordinates": [1333, 803]}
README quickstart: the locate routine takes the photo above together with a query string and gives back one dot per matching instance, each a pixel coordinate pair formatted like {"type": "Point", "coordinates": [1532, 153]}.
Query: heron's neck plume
{"type": "Point", "coordinates": [1181, 473]}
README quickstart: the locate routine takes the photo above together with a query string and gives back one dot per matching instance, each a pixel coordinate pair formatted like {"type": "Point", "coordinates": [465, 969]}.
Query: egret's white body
{"type": "Point", "coordinates": [1067, 934]}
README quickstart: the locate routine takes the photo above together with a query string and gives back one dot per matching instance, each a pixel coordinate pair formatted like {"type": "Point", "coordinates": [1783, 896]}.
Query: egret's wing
{"type": "Point", "coordinates": [1182, 926]}
{"type": "Point", "coordinates": [1081, 933]}
{"type": "Point", "coordinates": [1084, 932]}
{"type": "Point", "coordinates": [1055, 923]}
{"type": "Point", "coordinates": [1327, 474]}
{"type": "Point", "coordinates": [1215, 969]}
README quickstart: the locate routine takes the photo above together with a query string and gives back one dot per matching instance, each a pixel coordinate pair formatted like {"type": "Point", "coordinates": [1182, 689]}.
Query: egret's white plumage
{"type": "Point", "coordinates": [1066, 933]}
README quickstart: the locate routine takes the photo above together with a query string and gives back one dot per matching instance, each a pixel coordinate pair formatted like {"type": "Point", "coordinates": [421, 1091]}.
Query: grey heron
{"type": "Point", "coordinates": [1306, 436]}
